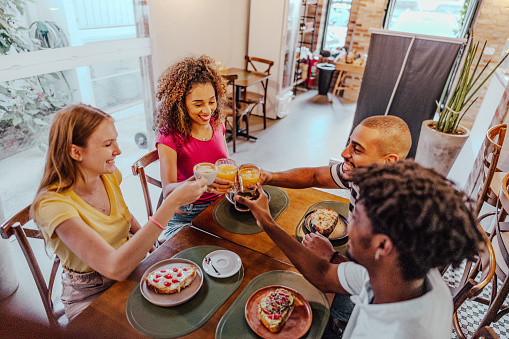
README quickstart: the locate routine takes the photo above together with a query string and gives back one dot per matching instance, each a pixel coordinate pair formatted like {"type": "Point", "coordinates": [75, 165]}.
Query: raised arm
{"type": "Point", "coordinates": [117, 264]}
{"type": "Point", "coordinates": [303, 177]}
{"type": "Point", "coordinates": [316, 270]}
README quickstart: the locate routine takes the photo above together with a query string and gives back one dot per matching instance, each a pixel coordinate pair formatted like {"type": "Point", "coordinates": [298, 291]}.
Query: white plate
{"type": "Point", "coordinates": [226, 262]}
{"type": "Point", "coordinates": [173, 299]}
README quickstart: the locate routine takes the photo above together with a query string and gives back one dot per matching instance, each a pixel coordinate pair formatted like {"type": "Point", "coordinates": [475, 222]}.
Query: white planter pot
{"type": "Point", "coordinates": [439, 150]}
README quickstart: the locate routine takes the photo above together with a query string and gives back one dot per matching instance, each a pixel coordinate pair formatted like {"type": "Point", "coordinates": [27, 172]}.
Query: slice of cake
{"type": "Point", "coordinates": [323, 221]}
{"type": "Point", "coordinates": [172, 280]}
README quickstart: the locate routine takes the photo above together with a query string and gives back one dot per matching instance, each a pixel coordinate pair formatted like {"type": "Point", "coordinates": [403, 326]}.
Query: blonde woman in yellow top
{"type": "Point", "coordinates": [81, 212]}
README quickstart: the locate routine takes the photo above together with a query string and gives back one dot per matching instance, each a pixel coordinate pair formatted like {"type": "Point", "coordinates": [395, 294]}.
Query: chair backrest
{"type": "Point", "coordinates": [232, 102]}
{"type": "Point", "coordinates": [468, 286]}
{"type": "Point", "coordinates": [253, 61]}
{"type": "Point", "coordinates": [138, 169]}
{"type": "Point", "coordinates": [487, 332]}
{"type": "Point", "coordinates": [500, 226]}
{"type": "Point", "coordinates": [492, 147]}
{"type": "Point", "coordinates": [15, 226]}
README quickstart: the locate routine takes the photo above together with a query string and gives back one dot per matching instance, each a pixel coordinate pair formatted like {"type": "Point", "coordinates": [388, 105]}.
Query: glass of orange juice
{"type": "Point", "coordinates": [250, 174]}
{"type": "Point", "coordinates": [226, 169]}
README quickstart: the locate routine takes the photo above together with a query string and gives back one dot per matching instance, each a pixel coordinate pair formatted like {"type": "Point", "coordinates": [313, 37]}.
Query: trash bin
{"type": "Point", "coordinates": [325, 72]}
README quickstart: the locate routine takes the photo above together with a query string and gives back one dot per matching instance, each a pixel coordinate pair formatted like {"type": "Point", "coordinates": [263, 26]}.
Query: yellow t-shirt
{"type": "Point", "coordinates": [54, 208]}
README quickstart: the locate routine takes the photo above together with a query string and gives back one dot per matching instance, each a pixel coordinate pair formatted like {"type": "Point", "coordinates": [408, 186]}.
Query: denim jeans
{"type": "Point", "coordinates": [341, 309]}
{"type": "Point", "coordinates": [180, 220]}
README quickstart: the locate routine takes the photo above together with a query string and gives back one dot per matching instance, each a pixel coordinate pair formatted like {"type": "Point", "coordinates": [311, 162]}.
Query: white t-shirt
{"type": "Point", "coordinates": [429, 316]}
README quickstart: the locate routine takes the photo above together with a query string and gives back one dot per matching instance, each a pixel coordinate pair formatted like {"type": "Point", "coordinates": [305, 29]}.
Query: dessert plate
{"type": "Point", "coordinates": [227, 263]}
{"type": "Point", "coordinates": [173, 299]}
{"type": "Point", "coordinates": [295, 327]}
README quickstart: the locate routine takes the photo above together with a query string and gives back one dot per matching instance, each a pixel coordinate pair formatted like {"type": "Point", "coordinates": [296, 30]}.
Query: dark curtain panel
{"type": "Point", "coordinates": [424, 76]}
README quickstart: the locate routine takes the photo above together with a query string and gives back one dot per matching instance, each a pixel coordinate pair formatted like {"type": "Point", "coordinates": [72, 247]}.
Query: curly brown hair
{"type": "Point", "coordinates": [173, 87]}
{"type": "Point", "coordinates": [429, 222]}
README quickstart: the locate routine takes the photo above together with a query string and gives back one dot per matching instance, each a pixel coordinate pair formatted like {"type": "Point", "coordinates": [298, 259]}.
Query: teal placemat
{"type": "Point", "coordinates": [234, 325]}
{"type": "Point", "coordinates": [172, 322]}
{"type": "Point", "coordinates": [231, 220]}
{"type": "Point", "coordinates": [340, 207]}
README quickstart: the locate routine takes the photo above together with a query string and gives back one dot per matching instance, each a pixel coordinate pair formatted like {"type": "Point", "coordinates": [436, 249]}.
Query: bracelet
{"type": "Point", "coordinates": [336, 253]}
{"type": "Point", "coordinates": [156, 222]}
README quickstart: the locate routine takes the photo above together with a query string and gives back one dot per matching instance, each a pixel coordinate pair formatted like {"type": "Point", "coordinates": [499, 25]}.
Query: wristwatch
{"type": "Point", "coordinates": [334, 255]}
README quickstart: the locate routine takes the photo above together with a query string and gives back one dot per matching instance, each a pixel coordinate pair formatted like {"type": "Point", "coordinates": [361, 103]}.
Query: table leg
{"type": "Point", "coordinates": [339, 82]}
{"type": "Point", "coordinates": [238, 93]}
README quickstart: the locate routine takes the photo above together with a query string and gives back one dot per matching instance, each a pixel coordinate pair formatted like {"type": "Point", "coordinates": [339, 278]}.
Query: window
{"type": "Point", "coordinates": [336, 29]}
{"type": "Point", "coordinates": [63, 52]}
{"type": "Point", "coordinates": [450, 18]}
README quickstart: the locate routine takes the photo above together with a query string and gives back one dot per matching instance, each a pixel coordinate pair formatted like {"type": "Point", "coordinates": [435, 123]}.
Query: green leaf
{"type": "Point", "coordinates": [40, 122]}
{"type": "Point", "coordinates": [33, 111]}
{"type": "Point", "coordinates": [16, 121]}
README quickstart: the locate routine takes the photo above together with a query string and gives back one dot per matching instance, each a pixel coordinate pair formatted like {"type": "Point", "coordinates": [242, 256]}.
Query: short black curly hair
{"type": "Point", "coordinates": [429, 222]}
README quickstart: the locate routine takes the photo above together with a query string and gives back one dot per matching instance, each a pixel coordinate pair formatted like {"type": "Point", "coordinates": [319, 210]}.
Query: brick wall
{"type": "Point", "coordinates": [492, 25]}
{"type": "Point", "coordinates": [365, 14]}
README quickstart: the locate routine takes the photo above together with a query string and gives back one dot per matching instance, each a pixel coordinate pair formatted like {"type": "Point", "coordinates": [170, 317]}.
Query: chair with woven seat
{"type": "Point", "coordinates": [18, 226]}
{"type": "Point", "coordinates": [487, 333]}
{"type": "Point", "coordinates": [254, 98]}
{"type": "Point", "coordinates": [138, 169]}
{"type": "Point", "coordinates": [473, 280]}
{"type": "Point", "coordinates": [500, 241]}
{"type": "Point", "coordinates": [491, 175]}
{"type": "Point", "coordinates": [234, 116]}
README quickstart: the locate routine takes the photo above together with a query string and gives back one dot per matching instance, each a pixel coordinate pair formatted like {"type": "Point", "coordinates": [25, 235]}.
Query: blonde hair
{"type": "Point", "coordinates": [72, 125]}
{"type": "Point", "coordinates": [394, 138]}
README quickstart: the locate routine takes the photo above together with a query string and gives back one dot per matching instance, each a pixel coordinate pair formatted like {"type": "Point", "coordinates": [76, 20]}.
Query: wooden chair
{"type": "Point", "coordinates": [492, 176]}
{"type": "Point", "coordinates": [487, 333]}
{"type": "Point", "coordinates": [470, 285]}
{"type": "Point", "coordinates": [138, 169]}
{"type": "Point", "coordinates": [500, 241]}
{"type": "Point", "coordinates": [241, 110]}
{"type": "Point", "coordinates": [254, 98]}
{"type": "Point", "coordinates": [17, 226]}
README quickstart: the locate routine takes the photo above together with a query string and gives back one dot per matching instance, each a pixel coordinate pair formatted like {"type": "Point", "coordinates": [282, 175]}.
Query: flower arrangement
{"type": "Point", "coordinates": [464, 90]}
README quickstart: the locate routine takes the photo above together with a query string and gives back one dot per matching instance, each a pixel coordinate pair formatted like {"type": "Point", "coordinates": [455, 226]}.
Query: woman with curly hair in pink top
{"type": "Point", "coordinates": [190, 122]}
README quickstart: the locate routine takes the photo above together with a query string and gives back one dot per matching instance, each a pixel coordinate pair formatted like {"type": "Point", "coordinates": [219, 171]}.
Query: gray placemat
{"type": "Point", "coordinates": [340, 207]}
{"type": "Point", "coordinates": [233, 324]}
{"type": "Point", "coordinates": [231, 220]}
{"type": "Point", "coordinates": [172, 322]}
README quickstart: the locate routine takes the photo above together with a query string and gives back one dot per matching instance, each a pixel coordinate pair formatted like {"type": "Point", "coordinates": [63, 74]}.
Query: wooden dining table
{"type": "Point", "coordinates": [245, 78]}
{"type": "Point", "coordinates": [106, 316]}
{"type": "Point", "coordinates": [300, 201]}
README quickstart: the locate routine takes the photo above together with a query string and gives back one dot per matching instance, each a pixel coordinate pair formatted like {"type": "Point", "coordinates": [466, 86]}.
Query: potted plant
{"type": "Point", "coordinates": [441, 141]}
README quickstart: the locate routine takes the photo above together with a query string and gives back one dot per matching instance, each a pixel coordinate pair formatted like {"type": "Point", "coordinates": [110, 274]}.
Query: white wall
{"type": "Point", "coordinates": [181, 28]}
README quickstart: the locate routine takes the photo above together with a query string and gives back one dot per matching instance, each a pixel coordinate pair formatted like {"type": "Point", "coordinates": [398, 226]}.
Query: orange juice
{"type": "Point", "coordinates": [226, 172]}
{"type": "Point", "coordinates": [250, 175]}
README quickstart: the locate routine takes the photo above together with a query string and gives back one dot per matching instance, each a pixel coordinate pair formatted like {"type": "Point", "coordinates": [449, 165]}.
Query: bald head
{"type": "Point", "coordinates": [393, 134]}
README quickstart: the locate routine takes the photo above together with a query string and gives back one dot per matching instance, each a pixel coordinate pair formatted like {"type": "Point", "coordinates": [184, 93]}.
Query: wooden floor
{"type": "Point", "coordinates": [310, 135]}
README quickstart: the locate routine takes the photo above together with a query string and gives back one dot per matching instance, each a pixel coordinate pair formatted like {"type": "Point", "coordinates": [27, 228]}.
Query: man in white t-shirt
{"type": "Point", "coordinates": [377, 139]}
{"type": "Point", "coordinates": [408, 221]}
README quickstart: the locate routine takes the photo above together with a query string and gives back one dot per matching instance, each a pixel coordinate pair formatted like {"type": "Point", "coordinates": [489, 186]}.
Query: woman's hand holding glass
{"type": "Point", "coordinates": [189, 191]}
